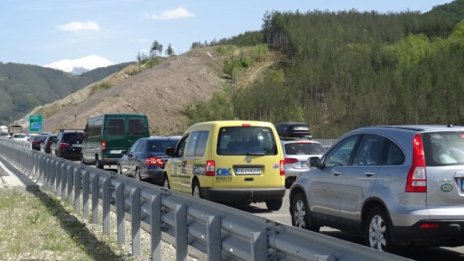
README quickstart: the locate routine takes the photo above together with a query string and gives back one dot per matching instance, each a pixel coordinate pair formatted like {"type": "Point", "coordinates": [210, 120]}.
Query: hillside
{"type": "Point", "coordinates": [22, 87]}
{"type": "Point", "coordinates": [162, 93]}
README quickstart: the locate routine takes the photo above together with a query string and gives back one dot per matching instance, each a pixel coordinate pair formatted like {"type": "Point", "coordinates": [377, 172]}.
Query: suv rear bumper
{"type": "Point", "coordinates": [237, 195]}
{"type": "Point", "coordinates": [447, 233]}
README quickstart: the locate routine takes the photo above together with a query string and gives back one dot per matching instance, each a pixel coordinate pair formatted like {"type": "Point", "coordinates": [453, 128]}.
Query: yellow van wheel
{"type": "Point", "coordinates": [274, 204]}
{"type": "Point", "coordinates": [166, 182]}
{"type": "Point", "coordinates": [196, 189]}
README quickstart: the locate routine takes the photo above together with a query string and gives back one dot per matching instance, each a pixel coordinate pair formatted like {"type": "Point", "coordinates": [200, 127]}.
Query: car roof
{"type": "Point", "coordinates": [298, 141]}
{"type": "Point", "coordinates": [415, 128]}
{"type": "Point", "coordinates": [163, 138]}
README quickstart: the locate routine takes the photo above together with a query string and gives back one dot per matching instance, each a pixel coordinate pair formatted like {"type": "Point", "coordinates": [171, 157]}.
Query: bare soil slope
{"type": "Point", "coordinates": [161, 93]}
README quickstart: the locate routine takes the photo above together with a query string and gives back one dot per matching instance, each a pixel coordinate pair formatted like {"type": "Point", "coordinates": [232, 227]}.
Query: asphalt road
{"type": "Point", "coordinates": [419, 253]}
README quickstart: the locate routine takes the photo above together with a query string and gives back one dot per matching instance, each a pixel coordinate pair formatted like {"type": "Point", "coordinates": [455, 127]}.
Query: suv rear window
{"type": "Point", "coordinates": [246, 141]}
{"type": "Point", "coordinates": [443, 148]}
{"type": "Point", "coordinates": [304, 148]}
{"type": "Point", "coordinates": [72, 137]}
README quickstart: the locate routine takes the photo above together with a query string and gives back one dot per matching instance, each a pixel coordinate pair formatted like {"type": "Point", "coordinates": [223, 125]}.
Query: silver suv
{"type": "Point", "coordinates": [296, 153]}
{"type": "Point", "coordinates": [395, 185]}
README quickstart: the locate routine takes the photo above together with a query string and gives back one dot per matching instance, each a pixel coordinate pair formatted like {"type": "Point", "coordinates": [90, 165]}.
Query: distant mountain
{"type": "Point", "coordinates": [23, 87]}
{"type": "Point", "coordinates": [81, 65]}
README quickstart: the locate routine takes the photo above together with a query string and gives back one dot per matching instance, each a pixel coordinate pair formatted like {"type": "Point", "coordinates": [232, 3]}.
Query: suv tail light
{"type": "Point", "coordinates": [290, 160]}
{"type": "Point", "coordinates": [210, 168]}
{"type": "Point", "coordinates": [63, 146]}
{"type": "Point", "coordinates": [417, 179]}
{"type": "Point", "coordinates": [282, 169]}
{"type": "Point", "coordinates": [103, 144]}
{"type": "Point", "coordinates": [154, 161]}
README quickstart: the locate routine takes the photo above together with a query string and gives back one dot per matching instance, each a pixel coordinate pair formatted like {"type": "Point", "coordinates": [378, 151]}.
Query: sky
{"type": "Point", "coordinates": [40, 32]}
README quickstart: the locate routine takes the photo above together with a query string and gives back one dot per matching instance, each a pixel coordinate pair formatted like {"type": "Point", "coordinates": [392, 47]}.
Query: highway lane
{"type": "Point", "coordinates": [416, 253]}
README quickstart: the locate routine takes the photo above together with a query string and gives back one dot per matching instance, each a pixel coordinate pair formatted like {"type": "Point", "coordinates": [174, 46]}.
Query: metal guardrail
{"type": "Point", "coordinates": [222, 233]}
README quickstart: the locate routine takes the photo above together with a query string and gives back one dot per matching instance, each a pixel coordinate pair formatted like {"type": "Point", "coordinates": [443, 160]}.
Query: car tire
{"type": "Point", "coordinates": [377, 230]}
{"type": "Point", "coordinates": [119, 170]}
{"type": "Point", "coordinates": [196, 190]}
{"type": "Point", "coordinates": [98, 163]}
{"type": "Point", "coordinates": [301, 215]}
{"type": "Point", "coordinates": [82, 160]}
{"type": "Point", "coordinates": [137, 174]}
{"type": "Point", "coordinates": [166, 184]}
{"type": "Point", "coordinates": [274, 204]}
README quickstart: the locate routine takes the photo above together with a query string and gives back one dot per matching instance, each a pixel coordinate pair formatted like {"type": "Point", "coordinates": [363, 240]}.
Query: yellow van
{"type": "Point", "coordinates": [229, 161]}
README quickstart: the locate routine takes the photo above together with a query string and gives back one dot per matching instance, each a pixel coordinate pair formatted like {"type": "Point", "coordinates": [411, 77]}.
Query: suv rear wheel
{"type": "Point", "coordinates": [301, 216]}
{"type": "Point", "coordinates": [378, 229]}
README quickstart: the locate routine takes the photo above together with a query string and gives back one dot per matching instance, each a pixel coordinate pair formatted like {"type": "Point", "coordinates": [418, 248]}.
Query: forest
{"type": "Point", "coordinates": [343, 70]}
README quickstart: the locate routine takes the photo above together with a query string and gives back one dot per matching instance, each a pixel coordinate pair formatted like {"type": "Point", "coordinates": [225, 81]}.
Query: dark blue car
{"type": "Point", "coordinates": [146, 158]}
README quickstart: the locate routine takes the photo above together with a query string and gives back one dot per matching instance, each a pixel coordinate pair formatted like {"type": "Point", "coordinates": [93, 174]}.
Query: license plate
{"type": "Point", "coordinates": [303, 164]}
{"type": "Point", "coordinates": [115, 151]}
{"type": "Point", "coordinates": [77, 145]}
{"type": "Point", "coordinates": [248, 171]}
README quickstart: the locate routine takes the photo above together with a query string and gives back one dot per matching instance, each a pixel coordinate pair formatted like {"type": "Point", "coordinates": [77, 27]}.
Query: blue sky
{"type": "Point", "coordinates": [44, 31]}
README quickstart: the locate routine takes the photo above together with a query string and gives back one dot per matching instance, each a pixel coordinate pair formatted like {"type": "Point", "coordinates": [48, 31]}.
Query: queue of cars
{"type": "Point", "coordinates": [393, 185]}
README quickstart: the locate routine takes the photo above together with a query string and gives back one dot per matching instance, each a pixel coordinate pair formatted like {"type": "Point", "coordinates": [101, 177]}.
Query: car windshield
{"type": "Point", "coordinates": [160, 146]}
{"type": "Point", "coordinates": [304, 148]}
{"type": "Point", "coordinates": [246, 141]}
{"type": "Point", "coordinates": [443, 148]}
{"type": "Point", "coordinates": [20, 136]}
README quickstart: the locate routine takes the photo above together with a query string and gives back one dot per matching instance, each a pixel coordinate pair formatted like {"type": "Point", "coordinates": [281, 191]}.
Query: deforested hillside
{"type": "Point", "coordinates": [161, 92]}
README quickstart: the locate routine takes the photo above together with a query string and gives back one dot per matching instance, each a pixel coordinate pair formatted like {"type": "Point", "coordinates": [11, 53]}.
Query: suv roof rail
{"type": "Point", "coordinates": [308, 137]}
{"type": "Point", "coordinates": [63, 130]}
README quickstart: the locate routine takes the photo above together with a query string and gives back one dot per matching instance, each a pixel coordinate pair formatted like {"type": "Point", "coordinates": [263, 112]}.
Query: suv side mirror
{"type": "Point", "coordinates": [315, 162]}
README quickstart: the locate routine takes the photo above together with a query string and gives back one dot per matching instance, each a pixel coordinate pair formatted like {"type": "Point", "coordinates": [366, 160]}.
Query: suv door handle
{"type": "Point", "coordinates": [336, 173]}
{"type": "Point", "coordinates": [369, 174]}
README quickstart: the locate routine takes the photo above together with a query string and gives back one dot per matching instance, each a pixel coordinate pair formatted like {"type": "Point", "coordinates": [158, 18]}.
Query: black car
{"type": "Point", "coordinates": [46, 145]}
{"type": "Point", "coordinates": [69, 144]}
{"type": "Point", "coordinates": [146, 158]}
{"type": "Point", "coordinates": [36, 141]}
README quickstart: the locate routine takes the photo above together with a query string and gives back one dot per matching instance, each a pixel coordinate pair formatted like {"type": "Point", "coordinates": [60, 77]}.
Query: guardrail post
{"type": "Point", "coordinates": [53, 176]}
{"type": "Point", "coordinates": [46, 174]}
{"type": "Point", "coordinates": [95, 196]}
{"type": "Point", "coordinates": [181, 232]}
{"type": "Point", "coordinates": [70, 179]}
{"type": "Point", "coordinates": [121, 228]}
{"type": "Point", "coordinates": [155, 227]}
{"type": "Point", "coordinates": [213, 238]}
{"type": "Point", "coordinates": [258, 242]}
{"type": "Point", "coordinates": [64, 180]}
{"type": "Point", "coordinates": [58, 178]}
{"type": "Point", "coordinates": [106, 205]}
{"type": "Point", "coordinates": [85, 194]}
{"type": "Point", "coordinates": [77, 190]}
{"type": "Point", "coordinates": [135, 221]}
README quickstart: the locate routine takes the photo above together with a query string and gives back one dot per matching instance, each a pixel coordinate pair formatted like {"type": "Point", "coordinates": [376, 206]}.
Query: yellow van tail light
{"type": "Point", "coordinates": [210, 167]}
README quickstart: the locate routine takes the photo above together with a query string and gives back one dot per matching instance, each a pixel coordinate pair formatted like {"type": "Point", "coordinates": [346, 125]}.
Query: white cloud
{"type": "Point", "coordinates": [178, 13]}
{"type": "Point", "coordinates": [79, 26]}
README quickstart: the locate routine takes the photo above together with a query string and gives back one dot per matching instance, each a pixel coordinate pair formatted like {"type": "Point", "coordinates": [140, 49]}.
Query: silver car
{"type": "Point", "coordinates": [395, 185]}
{"type": "Point", "coordinates": [297, 153]}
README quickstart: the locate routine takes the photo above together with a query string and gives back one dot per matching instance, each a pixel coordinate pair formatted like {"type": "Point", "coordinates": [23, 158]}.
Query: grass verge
{"type": "Point", "coordinates": [36, 225]}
